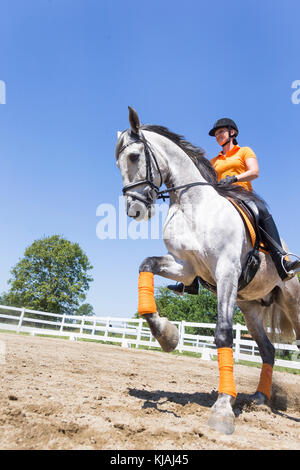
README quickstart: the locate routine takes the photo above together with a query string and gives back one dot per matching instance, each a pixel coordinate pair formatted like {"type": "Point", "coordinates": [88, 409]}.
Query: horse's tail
{"type": "Point", "coordinates": [277, 324]}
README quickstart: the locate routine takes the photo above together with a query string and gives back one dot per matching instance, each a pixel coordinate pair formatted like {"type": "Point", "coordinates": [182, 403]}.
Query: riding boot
{"type": "Point", "coordinates": [270, 236]}
{"type": "Point", "coordinates": [181, 289]}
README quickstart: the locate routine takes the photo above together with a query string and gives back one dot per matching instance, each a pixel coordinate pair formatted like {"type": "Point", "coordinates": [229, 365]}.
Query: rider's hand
{"type": "Point", "coordinates": [227, 181]}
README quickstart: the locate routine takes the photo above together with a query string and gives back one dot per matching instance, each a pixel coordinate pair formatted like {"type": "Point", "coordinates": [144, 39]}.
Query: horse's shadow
{"type": "Point", "coordinates": [155, 398]}
{"type": "Point", "coordinates": [243, 404]}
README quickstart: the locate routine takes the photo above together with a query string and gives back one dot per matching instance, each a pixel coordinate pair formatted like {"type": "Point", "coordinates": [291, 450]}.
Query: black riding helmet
{"type": "Point", "coordinates": [225, 122]}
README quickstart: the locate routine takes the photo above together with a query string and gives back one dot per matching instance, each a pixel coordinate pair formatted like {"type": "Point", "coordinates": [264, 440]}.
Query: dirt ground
{"type": "Point", "coordinates": [61, 394]}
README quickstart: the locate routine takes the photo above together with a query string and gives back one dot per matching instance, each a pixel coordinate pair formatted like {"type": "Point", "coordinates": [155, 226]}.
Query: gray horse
{"type": "Point", "coordinates": [205, 236]}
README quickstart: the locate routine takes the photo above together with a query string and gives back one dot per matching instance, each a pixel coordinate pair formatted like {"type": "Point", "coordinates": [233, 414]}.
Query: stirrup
{"type": "Point", "coordinates": [292, 273]}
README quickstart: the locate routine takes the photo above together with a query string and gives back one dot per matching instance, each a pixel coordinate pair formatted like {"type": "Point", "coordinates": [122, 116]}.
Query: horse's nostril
{"type": "Point", "coordinates": [138, 213]}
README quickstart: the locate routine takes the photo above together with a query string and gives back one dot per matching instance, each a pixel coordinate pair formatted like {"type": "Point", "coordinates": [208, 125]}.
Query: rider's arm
{"type": "Point", "coordinates": [252, 171]}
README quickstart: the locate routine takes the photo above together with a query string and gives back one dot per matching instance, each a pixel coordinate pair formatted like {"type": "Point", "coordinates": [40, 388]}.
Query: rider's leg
{"type": "Point", "coordinates": [271, 238]}
{"type": "Point", "coordinates": [181, 289]}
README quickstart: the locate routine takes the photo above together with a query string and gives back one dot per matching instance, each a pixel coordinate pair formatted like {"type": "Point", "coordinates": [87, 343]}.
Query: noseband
{"type": "Point", "coordinates": [149, 180]}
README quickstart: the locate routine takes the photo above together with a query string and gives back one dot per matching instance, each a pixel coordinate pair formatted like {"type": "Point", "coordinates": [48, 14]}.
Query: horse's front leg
{"type": "Point", "coordinates": [222, 417]}
{"type": "Point", "coordinates": [167, 266]}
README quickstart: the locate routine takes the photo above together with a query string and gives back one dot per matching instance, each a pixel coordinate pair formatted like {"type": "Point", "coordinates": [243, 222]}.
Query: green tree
{"type": "Point", "coordinates": [85, 309]}
{"type": "Point", "coordinates": [193, 308]}
{"type": "Point", "coordinates": [52, 277]}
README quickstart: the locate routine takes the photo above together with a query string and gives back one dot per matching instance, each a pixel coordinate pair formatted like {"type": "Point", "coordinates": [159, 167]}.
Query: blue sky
{"type": "Point", "coordinates": [72, 67]}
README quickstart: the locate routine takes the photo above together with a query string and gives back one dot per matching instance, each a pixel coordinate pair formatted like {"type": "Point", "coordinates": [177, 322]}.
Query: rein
{"type": "Point", "coordinates": [148, 200]}
{"type": "Point", "coordinates": [160, 194]}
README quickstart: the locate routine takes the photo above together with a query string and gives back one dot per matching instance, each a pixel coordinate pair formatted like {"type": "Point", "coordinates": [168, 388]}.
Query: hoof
{"type": "Point", "coordinates": [169, 337]}
{"type": "Point", "coordinates": [223, 423]}
{"type": "Point", "coordinates": [163, 331]}
{"type": "Point", "coordinates": [221, 416]}
{"type": "Point", "coordinates": [258, 398]}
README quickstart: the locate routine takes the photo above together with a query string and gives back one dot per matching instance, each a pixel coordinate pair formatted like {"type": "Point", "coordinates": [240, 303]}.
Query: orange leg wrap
{"type": "Point", "coordinates": [265, 381]}
{"type": "Point", "coordinates": [225, 360]}
{"type": "Point", "coordinates": [146, 293]}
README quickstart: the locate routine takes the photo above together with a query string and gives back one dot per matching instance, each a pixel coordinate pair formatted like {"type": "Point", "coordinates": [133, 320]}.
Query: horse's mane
{"type": "Point", "coordinates": [197, 155]}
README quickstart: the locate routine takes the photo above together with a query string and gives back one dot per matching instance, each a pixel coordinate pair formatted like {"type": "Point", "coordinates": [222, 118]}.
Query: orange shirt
{"type": "Point", "coordinates": [233, 163]}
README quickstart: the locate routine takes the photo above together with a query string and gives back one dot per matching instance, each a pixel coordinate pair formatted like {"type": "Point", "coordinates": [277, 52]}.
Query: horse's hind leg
{"type": "Point", "coordinates": [253, 312]}
{"type": "Point", "coordinates": [167, 266]}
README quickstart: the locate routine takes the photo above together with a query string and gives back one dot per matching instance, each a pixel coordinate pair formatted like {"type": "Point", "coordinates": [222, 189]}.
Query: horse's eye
{"type": "Point", "coordinates": [133, 157]}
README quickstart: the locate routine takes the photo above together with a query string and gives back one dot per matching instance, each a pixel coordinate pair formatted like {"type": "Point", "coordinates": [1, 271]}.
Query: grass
{"type": "Point", "coordinates": [175, 353]}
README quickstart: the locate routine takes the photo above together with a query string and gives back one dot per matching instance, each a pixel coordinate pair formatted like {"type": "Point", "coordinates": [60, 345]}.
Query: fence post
{"type": "Point", "coordinates": [94, 326]}
{"type": "Point", "coordinates": [106, 329]}
{"type": "Point", "coordinates": [62, 324]}
{"type": "Point", "coordinates": [237, 342]}
{"type": "Point", "coordinates": [181, 335]}
{"type": "Point", "coordinates": [81, 325]}
{"type": "Point", "coordinates": [21, 320]}
{"type": "Point", "coordinates": [125, 327]}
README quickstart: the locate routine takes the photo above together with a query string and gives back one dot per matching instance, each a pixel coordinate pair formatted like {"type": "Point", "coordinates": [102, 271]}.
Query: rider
{"type": "Point", "coordinates": [238, 165]}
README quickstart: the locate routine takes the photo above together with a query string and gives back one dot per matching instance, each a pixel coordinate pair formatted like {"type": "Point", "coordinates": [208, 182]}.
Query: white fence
{"type": "Point", "coordinates": [128, 332]}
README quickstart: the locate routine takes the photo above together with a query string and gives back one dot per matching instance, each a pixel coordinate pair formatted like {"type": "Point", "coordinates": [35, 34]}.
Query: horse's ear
{"type": "Point", "coordinates": [134, 120]}
{"type": "Point", "coordinates": [119, 134]}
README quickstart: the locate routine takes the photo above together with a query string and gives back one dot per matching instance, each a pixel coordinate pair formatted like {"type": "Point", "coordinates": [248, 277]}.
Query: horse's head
{"type": "Point", "coordinates": [140, 170]}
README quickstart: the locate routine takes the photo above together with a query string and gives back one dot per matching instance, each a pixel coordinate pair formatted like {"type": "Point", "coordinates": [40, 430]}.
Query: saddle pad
{"type": "Point", "coordinates": [249, 225]}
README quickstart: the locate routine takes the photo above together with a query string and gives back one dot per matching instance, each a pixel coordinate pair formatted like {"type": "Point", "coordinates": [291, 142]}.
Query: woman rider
{"type": "Point", "coordinates": [238, 165]}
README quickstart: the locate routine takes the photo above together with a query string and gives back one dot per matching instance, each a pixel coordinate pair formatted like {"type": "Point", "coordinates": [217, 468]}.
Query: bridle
{"type": "Point", "coordinates": [149, 180]}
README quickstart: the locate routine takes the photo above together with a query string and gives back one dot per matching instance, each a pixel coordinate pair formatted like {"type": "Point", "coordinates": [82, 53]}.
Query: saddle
{"type": "Point", "coordinates": [250, 217]}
